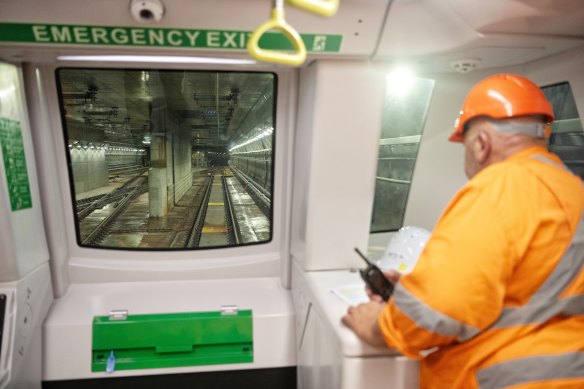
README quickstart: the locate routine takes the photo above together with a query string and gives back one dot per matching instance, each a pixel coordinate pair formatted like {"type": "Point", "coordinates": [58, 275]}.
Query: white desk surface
{"type": "Point", "coordinates": [319, 285]}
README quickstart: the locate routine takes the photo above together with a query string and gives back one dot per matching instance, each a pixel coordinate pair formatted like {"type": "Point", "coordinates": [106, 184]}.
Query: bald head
{"type": "Point", "coordinates": [488, 141]}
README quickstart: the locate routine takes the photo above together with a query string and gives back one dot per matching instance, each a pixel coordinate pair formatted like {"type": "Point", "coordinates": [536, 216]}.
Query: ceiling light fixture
{"type": "Point", "coordinates": [464, 66]}
{"type": "Point", "coordinates": [400, 81]}
{"type": "Point", "coordinates": [157, 59]}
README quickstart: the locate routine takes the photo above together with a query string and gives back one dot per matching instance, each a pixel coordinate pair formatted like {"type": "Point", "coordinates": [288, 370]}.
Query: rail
{"type": "Point", "coordinates": [259, 194]}
{"type": "Point", "coordinates": [84, 208]}
{"type": "Point", "coordinates": [320, 7]}
{"type": "Point", "coordinates": [215, 223]}
{"type": "Point", "coordinates": [199, 221]}
{"type": "Point", "coordinates": [211, 218]}
{"type": "Point", "coordinates": [233, 225]}
{"type": "Point", "coordinates": [277, 22]}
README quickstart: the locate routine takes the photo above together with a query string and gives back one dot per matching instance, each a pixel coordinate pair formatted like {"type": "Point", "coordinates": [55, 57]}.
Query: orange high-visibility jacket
{"type": "Point", "coordinates": [497, 296]}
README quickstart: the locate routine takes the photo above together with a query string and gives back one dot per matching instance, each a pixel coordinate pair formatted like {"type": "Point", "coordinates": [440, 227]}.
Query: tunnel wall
{"type": "Point", "coordinates": [88, 157]}
{"type": "Point", "coordinates": [89, 169]}
{"type": "Point", "coordinates": [118, 159]}
{"type": "Point", "coordinates": [254, 159]}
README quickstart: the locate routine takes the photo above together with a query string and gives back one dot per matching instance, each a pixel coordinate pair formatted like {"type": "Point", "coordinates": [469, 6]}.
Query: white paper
{"type": "Point", "coordinates": [353, 294]}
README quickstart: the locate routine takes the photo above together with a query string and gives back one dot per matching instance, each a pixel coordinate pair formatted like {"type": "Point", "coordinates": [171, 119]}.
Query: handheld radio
{"type": "Point", "coordinates": [375, 279]}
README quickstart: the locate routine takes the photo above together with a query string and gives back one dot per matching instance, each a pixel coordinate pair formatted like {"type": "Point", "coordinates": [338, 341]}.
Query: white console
{"type": "Point", "coordinates": [329, 354]}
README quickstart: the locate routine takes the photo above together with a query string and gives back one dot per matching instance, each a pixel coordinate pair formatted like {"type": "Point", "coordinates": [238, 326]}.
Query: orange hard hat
{"type": "Point", "coordinates": [502, 96]}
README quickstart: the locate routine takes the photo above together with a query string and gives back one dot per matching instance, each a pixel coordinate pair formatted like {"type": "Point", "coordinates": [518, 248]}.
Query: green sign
{"type": "Point", "coordinates": [157, 37]}
{"type": "Point", "coordinates": [171, 340]}
{"type": "Point", "coordinates": [15, 164]}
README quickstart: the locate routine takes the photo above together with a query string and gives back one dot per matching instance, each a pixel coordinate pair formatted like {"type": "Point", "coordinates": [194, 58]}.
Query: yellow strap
{"type": "Point", "coordinates": [277, 22]}
{"type": "Point", "coordinates": [321, 7]}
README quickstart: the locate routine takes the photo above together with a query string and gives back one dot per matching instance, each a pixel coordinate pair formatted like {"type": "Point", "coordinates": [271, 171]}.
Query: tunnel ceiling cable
{"type": "Point", "coordinates": [277, 22]}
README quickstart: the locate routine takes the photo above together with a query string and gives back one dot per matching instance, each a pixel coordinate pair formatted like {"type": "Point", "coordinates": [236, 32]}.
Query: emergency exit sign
{"type": "Point", "coordinates": [62, 34]}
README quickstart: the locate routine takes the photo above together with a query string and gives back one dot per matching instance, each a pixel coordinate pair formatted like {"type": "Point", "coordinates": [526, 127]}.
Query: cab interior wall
{"type": "Point", "coordinates": [339, 122]}
{"type": "Point", "coordinates": [45, 149]}
{"type": "Point", "coordinates": [81, 264]}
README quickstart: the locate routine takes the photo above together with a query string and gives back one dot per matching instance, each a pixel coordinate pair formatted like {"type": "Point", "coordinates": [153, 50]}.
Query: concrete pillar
{"type": "Point", "coordinates": [183, 177]}
{"type": "Point", "coordinates": [157, 176]}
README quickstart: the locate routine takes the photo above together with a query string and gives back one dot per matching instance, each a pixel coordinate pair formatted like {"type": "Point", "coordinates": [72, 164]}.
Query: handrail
{"type": "Point", "coordinates": [277, 22]}
{"type": "Point", "coordinates": [321, 7]}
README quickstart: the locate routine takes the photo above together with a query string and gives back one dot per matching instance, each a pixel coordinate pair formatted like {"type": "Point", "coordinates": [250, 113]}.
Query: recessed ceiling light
{"type": "Point", "coordinates": [156, 58]}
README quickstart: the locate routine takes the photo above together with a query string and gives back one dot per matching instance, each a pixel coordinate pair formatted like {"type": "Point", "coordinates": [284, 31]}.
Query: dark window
{"type": "Point", "coordinates": [567, 139]}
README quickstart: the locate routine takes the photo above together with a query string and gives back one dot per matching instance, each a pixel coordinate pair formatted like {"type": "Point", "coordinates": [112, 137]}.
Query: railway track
{"type": "Point", "coordinates": [111, 206]}
{"type": "Point", "coordinates": [218, 211]}
{"type": "Point", "coordinates": [101, 230]}
{"type": "Point", "coordinates": [86, 206]}
{"type": "Point", "coordinates": [215, 223]}
{"type": "Point", "coordinates": [259, 194]}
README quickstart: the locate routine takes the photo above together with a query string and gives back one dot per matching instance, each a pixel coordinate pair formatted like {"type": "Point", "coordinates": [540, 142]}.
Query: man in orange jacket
{"type": "Point", "coordinates": [496, 298]}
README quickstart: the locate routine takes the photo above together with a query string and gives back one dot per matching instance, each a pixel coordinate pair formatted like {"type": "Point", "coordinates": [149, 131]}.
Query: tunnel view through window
{"type": "Point", "coordinates": [567, 138]}
{"type": "Point", "coordinates": [405, 107]}
{"type": "Point", "coordinates": [165, 159]}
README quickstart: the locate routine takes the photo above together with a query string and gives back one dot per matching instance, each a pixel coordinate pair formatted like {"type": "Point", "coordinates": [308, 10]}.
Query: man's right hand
{"type": "Point", "coordinates": [392, 275]}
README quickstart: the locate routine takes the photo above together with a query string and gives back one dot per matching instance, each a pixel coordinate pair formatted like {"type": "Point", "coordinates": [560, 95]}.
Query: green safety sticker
{"type": "Point", "coordinates": [15, 164]}
{"type": "Point", "coordinates": [158, 37]}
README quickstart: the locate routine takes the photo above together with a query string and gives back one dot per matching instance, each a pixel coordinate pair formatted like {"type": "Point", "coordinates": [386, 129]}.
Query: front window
{"type": "Point", "coordinates": [165, 159]}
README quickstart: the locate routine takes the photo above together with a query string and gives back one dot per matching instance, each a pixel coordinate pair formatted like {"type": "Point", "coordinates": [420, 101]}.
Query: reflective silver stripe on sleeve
{"type": "Point", "coordinates": [545, 302]}
{"type": "Point", "coordinates": [429, 318]}
{"type": "Point", "coordinates": [540, 312]}
{"type": "Point", "coordinates": [532, 369]}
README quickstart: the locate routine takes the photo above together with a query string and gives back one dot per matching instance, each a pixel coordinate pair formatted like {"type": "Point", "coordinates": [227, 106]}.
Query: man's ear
{"type": "Point", "coordinates": [483, 147]}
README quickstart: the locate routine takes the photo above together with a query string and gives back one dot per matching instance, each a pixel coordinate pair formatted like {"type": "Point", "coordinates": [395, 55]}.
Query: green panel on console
{"type": "Point", "coordinates": [172, 340]}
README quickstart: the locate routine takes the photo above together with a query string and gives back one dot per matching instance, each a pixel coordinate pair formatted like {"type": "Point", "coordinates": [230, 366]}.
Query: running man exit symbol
{"type": "Point", "coordinates": [319, 43]}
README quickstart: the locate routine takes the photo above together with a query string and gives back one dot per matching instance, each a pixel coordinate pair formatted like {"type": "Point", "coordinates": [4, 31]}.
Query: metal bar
{"type": "Point", "coordinates": [400, 140]}
{"type": "Point", "coordinates": [567, 126]}
{"type": "Point", "coordinates": [393, 180]}
{"type": "Point", "coordinates": [396, 159]}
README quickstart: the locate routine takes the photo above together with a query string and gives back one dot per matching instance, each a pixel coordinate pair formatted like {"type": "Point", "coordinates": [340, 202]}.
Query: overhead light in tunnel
{"type": "Point", "coordinates": [157, 58]}
{"type": "Point", "coordinates": [262, 133]}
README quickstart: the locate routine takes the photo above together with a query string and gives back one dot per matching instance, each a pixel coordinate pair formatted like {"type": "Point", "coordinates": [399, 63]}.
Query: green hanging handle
{"type": "Point", "coordinates": [321, 7]}
{"type": "Point", "coordinates": [277, 22]}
